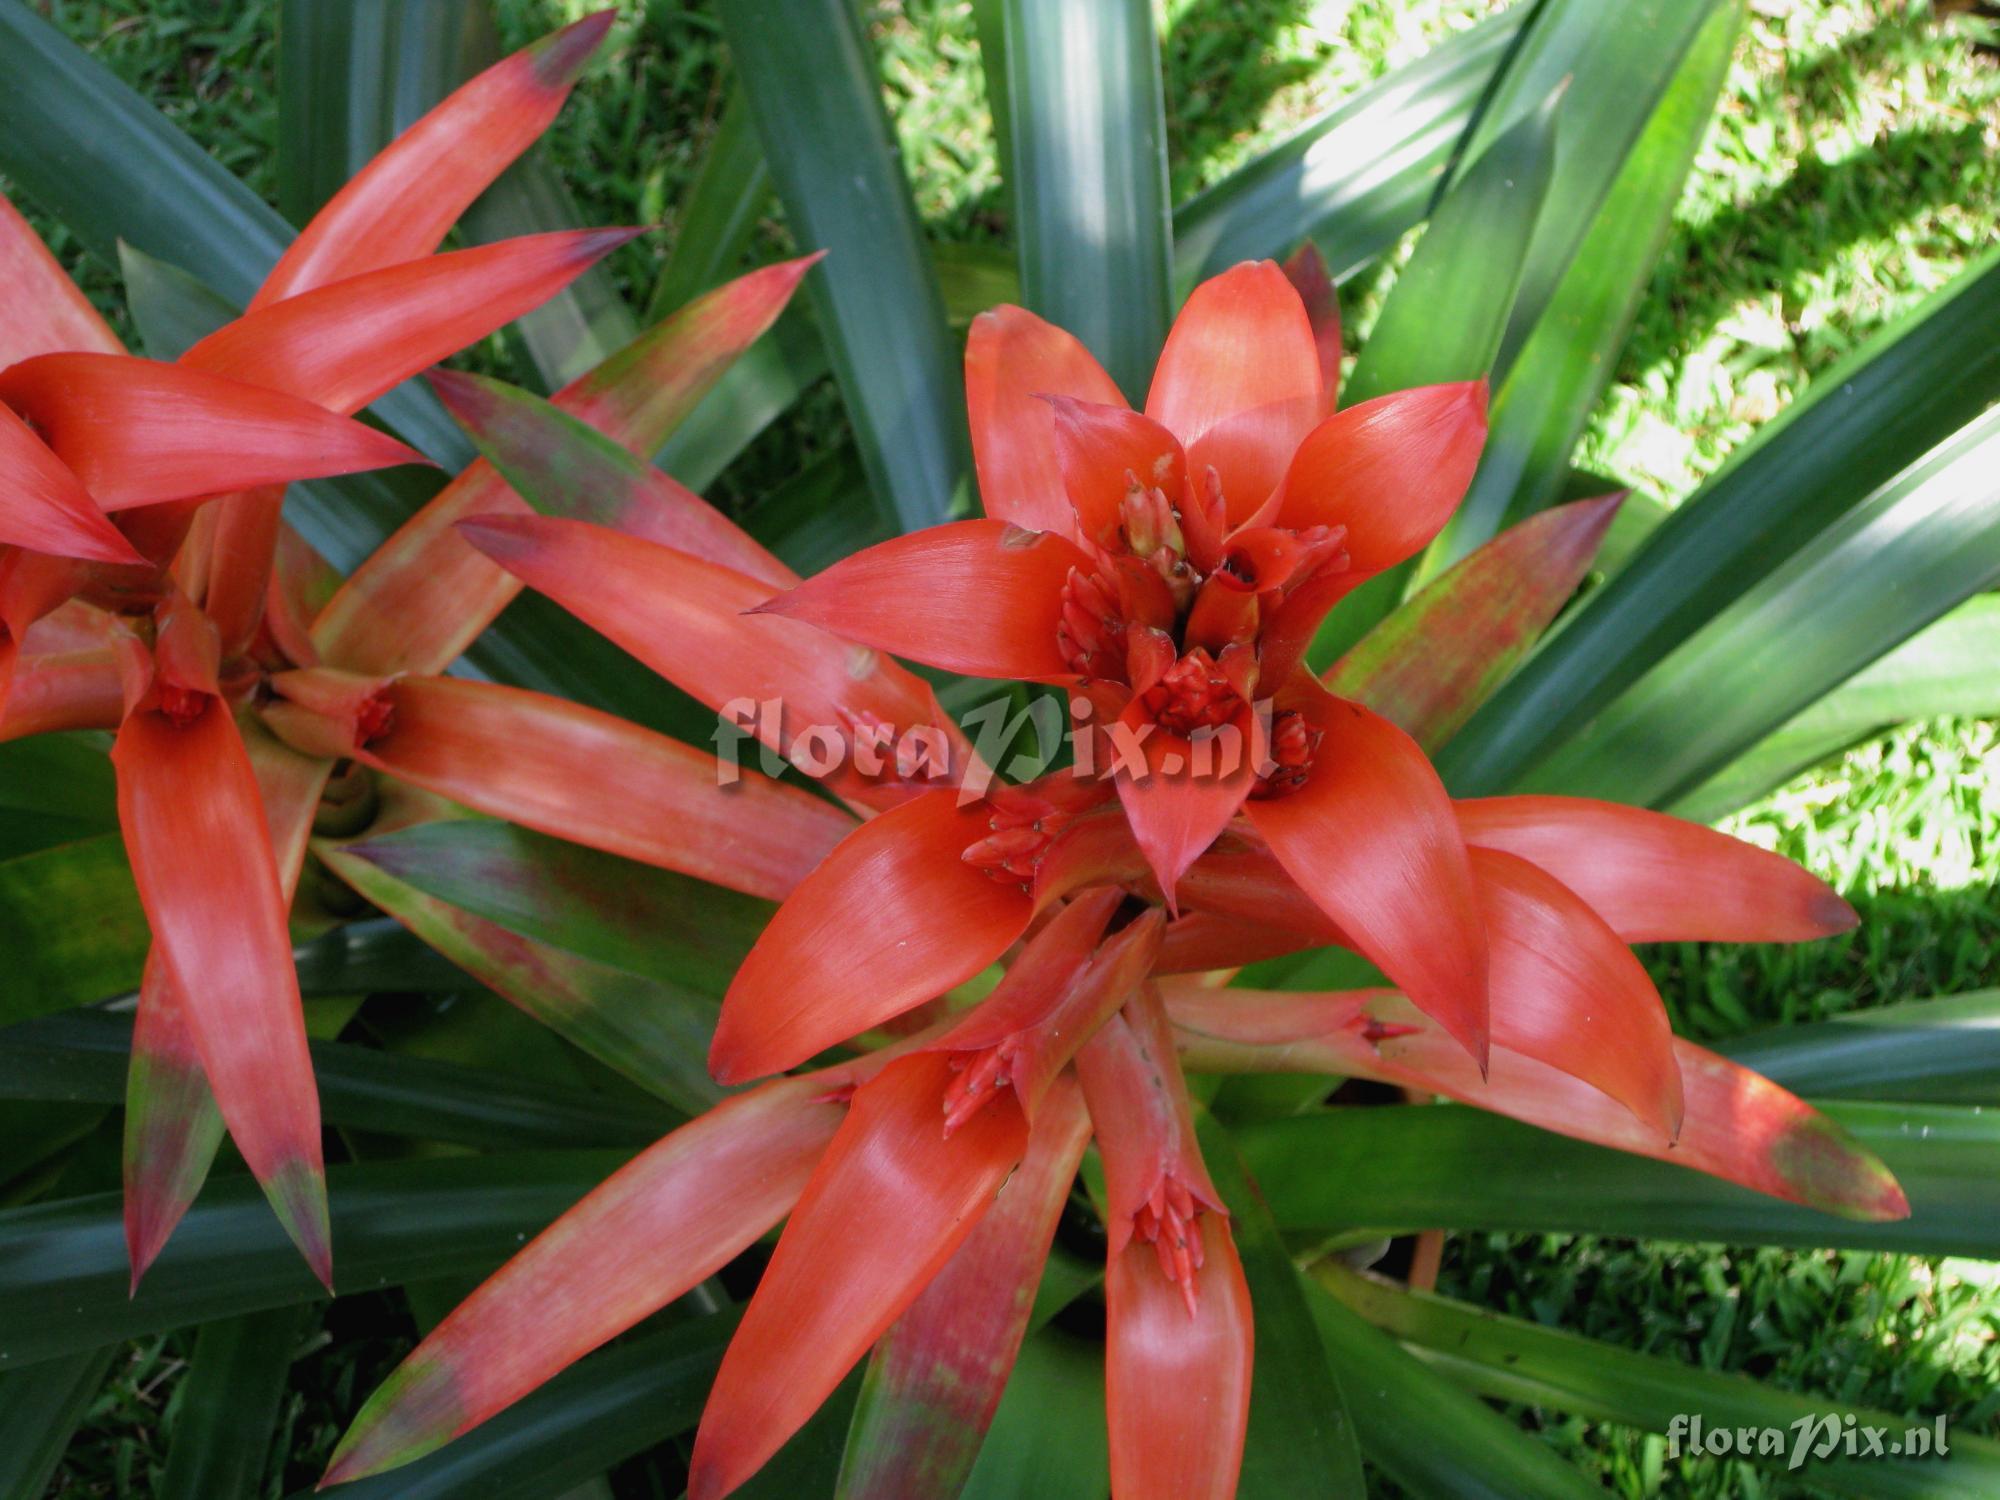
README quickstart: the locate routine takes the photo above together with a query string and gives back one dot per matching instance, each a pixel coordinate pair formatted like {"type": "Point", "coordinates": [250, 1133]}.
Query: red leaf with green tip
{"type": "Point", "coordinates": [172, 1125]}
{"type": "Point", "coordinates": [44, 507]}
{"type": "Point", "coordinates": [1738, 1125]}
{"type": "Point", "coordinates": [1432, 662]}
{"type": "Point", "coordinates": [343, 344]}
{"type": "Point", "coordinates": [422, 597]}
{"type": "Point", "coordinates": [592, 778]}
{"type": "Point", "coordinates": [979, 597]}
{"type": "Point", "coordinates": [46, 313]}
{"type": "Point", "coordinates": [693, 621]}
{"type": "Point", "coordinates": [401, 204]}
{"type": "Point", "coordinates": [201, 852]}
{"type": "Point", "coordinates": [891, 918]}
{"type": "Point", "coordinates": [564, 468]}
{"type": "Point", "coordinates": [657, 1227]}
{"type": "Point", "coordinates": [137, 432]}
{"type": "Point", "coordinates": [1659, 879]}
{"type": "Point", "coordinates": [935, 1379]}
{"type": "Point", "coordinates": [888, 1206]}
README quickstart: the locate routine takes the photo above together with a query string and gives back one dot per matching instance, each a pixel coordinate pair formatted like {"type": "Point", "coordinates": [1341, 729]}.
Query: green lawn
{"type": "Point", "coordinates": [1854, 166]}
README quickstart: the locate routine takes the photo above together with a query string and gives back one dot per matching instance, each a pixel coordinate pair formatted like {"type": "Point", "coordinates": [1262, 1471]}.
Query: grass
{"type": "Point", "coordinates": [1854, 165]}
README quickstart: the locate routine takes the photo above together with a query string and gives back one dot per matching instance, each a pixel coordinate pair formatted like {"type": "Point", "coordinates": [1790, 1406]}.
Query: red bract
{"type": "Point", "coordinates": [1166, 570]}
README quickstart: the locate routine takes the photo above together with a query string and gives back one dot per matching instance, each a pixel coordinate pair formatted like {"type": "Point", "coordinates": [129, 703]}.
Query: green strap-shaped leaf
{"type": "Point", "coordinates": [620, 959]}
{"type": "Point", "coordinates": [54, 788]}
{"type": "Point", "coordinates": [40, 1410]}
{"type": "Point", "coordinates": [1088, 175]}
{"type": "Point", "coordinates": [820, 515]}
{"type": "Point", "coordinates": [1447, 1166]}
{"type": "Point", "coordinates": [1873, 578]}
{"type": "Point", "coordinates": [227, 1408]}
{"type": "Point", "coordinates": [64, 1275]}
{"type": "Point", "coordinates": [1054, 1404]}
{"type": "Point", "coordinates": [1444, 317]}
{"type": "Point", "coordinates": [1509, 1359]}
{"type": "Point", "coordinates": [1944, 669]}
{"type": "Point", "coordinates": [1616, 72]}
{"type": "Point", "coordinates": [815, 94]}
{"type": "Point", "coordinates": [80, 1058]}
{"type": "Point", "coordinates": [1556, 377]}
{"type": "Point", "coordinates": [111, 167]}
{"type": "Point", "coordinates": [1879, 410]}
{"type": "Point", "coordinates": [716, 223]}
{"type": "Point", "coordinates": [353, 77]}
{"type": "Point", "coordinates": [71, 927]}
{"type": "Point", "coordinates": [1933, 1051]}
{"type": "Point", "coordinates": [1425, 1432]}
{"type": "Point", "coordinates": [1356, 178]}
{"type": "Point", "coordinates": [594, 1415]}
{"type": "Point", "coordinates": [1302, 1438]}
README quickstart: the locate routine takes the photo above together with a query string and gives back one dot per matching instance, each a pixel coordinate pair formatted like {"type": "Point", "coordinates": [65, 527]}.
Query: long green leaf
{"type": "Point", "coordinates": [1928, 1051]}
{"type": "Point", "coordinates": [1559, 372]}
{"type": "Point", "coordinates": [1446, 1166]}
{"type": "Point", "coordinates": [71, 927]}
{"type": "Point", "coordinates": [228, 1406]}
{"type": "Point", "coordinates": [39, 1413]}
{"type": "Point", "coordinates": [64, 1274]}
{"type": "Point", "coordinates": [54, 788]}
{"type": "Point", "coordinates": [1088, 176]}
{"type": "Point", "coordinates": [111, 167]}
{"type": "Point", "coordinates": [589, 1418]}
{"type": "Point", "coordinates": [718, 219]}
{"type": "Point", "coordinates": [815, 94]}
{"type": "Point", "coordinates": [1895, 398]}
{"type": "Point", "coordinates": [1444, 316]}
{"type": "Point", "coordinates": [1870, 580]}
{"type": "Point", "coordinates": [1428, 1435]}
{"type": "Point", "coordinates": [769, 377]}
{"type": "Point", "coordinates": [1617, 75]}
{"type": "Point", "coordinates": [1512, 1360]}
{"type": "Point", "coordinates": [81, 1058]}
{"type": "Point", "coordinates": [641, 1011]}
{"type": "Point", "coordinates": [1944, 669]}
{"type": "Point", "coordinates": [1302, 1438]}
{"type": "Point", "coordinates": [1054, 1404]}
{"type": "Point", "coordinates": [1356, 178]}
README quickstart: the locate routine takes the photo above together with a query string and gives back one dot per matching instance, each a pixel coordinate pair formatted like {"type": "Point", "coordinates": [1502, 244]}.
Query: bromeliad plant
{"type": "Point", "coordinates": [1317, 813]}
{"type": "Point", "coordinates": [1240, 809]}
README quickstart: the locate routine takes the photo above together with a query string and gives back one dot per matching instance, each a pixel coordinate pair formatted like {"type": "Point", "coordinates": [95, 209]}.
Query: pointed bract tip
{"type": "Point", "coordinates": [1832, 914]}
{"type": "Point", "coordinates": [297, 1192]}
{"type": "Point", "coordinates": [559, 57]}
{"type": "Point", "coordinates": [496, 535]}
{"type": "Point", "coordinates": [461, 391]}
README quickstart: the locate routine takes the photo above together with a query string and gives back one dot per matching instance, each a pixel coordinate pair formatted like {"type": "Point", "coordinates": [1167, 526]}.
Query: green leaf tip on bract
{"type": "Point", "coordinates": [172, 1130]}
{"type": "Point", "coordinates": [1834, 1173]}
{"type": "Point", "coordinates": [297, 1192]}
{"type": "Point", "coordinates": [560, 56]}
{"type": "Point", "coordinates": [414, 1412]}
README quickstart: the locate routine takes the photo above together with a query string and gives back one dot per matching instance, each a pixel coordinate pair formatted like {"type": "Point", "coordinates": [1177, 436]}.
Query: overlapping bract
{"type": "Point", "coordinates": [1167, 571]}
